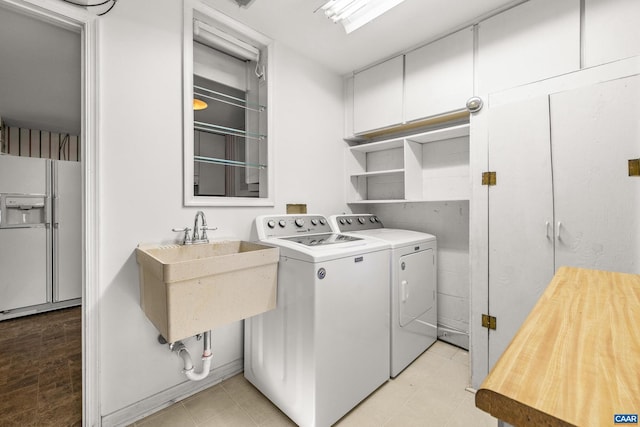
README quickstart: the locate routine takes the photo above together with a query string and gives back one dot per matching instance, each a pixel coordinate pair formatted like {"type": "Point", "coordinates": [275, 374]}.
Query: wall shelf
{"type": "Point", "coordinates": [428, 166]}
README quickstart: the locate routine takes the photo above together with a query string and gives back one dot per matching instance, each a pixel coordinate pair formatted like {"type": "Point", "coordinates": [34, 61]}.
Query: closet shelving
{"type": "Point", "coordinates": [427, 166]}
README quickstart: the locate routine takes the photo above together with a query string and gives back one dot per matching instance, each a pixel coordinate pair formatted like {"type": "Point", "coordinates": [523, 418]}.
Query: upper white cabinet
{"type": "Point", "coordinates": [439, 76]}
{"type": "Point", "coordinates": [533, 41]}
{"type": "Point", "coordinates": [377, 96]}
{"type": "Point", "coordinates": [611, 30]}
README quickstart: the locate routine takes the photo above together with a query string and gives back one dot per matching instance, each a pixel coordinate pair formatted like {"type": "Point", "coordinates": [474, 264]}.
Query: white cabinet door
{"type": "Point", "coordinates": [533, 41]}
{"type": "Point", "coordinates": [611, 30]}
{"type": "Point", "coordinates": [439, 76]}
{"type": "Point", "coordinates": [594, 132]}
{"type": "Point", "coordinates": [377, 96]}
{"type": "Point", "coordinates": [520, 215]}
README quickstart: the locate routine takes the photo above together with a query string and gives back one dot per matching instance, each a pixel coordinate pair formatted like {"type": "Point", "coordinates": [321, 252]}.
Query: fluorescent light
{"type": "Point", "coordinates": [353, 14]}
{"type": "Point", "coordinates": [224, 42]}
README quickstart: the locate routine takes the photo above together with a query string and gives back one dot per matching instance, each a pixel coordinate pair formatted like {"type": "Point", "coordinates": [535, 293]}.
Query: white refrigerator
{"type": "Point", "coordinates": [40, 235]}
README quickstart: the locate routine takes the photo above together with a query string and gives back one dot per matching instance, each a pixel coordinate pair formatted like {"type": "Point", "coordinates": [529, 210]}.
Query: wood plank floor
{"type": "Point", "coordinates": [41, 369]}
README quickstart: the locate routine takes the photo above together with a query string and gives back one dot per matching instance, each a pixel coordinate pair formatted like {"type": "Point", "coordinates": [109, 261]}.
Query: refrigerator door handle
{"type": "Point", "coordinates": [56, 210]}
{"type": "Point", "coordinates": [47, 211]}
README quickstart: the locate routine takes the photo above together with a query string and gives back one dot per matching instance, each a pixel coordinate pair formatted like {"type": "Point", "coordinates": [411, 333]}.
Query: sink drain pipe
{"type": "Point", "coordinates": [189, 369]}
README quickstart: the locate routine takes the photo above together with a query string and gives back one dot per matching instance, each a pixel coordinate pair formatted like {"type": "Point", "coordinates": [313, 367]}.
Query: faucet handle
{"type": "Point", "coordinates": [186, 239]}
{"type": "Point", "coordinates": [204, 231]}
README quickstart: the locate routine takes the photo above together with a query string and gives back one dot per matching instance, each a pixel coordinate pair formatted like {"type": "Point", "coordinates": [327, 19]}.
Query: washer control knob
{"type": "Point", "coordinates": [323, 221]}
{"type": "Point", "coordinates": [342, 221]}
{"type": "Point", "coordinates": [299, 222]}
{"type": "Point", "coordinates": [372, 218]}
{"type": "Point", "coordinates": [282, 223]}
{"type": "Point", "coordinates": [375, 219]}
{"type": "Point", "coordinates": [314, 221]}
{"type": "Point", "coordinates": [361, 220]}
{"type": "Point", "coordinates": [271, 223]}
{"type": "Point", "coordinates": [349, 220]}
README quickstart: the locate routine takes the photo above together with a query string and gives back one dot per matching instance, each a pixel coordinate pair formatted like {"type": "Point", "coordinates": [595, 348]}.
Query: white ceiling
{"type": "Point", "coordinates": [40, 62]}
{"type": "Point", "coordinates": [410, 24]}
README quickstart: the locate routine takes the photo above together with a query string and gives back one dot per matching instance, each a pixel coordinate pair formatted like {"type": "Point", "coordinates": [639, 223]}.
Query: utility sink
{"type": "Point", "coordinates": [189, 289]}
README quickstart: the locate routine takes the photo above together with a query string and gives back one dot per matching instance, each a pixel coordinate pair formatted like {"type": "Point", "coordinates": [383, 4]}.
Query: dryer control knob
{"type": "Point", "coordinates": [372, 219]}
{"type": "Point", "coordinates": [349, 220]}
{"type": "Point", "coordinates": [299, 222]}
{"type": "Point", "coordinates": [282, 223]}
{"type": "Point", "coordinates": [323, 221]}
{"type": "Point", "coordinates": [361, 220]}
{"type": "Point", "coordinates": [342, 221]}
{"type": "Point", "coordinates": [314, 221]}
{"type": "Point", "coordinates": [271, 223]}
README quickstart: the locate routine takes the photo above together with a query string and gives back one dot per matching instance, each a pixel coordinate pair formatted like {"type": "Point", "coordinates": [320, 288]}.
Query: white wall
{"type": "Point", "coordinates": [140, 174]}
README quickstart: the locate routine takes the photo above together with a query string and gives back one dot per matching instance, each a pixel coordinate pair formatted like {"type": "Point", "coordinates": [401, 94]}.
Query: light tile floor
{"type": "Point", "coordinates": [430, 392]}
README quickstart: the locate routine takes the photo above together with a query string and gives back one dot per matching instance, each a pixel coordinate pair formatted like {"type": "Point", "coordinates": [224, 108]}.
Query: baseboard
{"type": "Point", "coordinates": [453, 336]}
{"type": "Point", "coordinates": [144, 408]}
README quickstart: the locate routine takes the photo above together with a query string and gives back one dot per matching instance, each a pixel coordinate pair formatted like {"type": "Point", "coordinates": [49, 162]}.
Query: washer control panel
{"type": "Point", "coordinates": [355, 222]}
{"type": "Point", "coordinates": [291, 225]}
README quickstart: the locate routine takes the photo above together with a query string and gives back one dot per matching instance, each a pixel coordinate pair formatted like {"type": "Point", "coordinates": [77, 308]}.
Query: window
{"type": "Point", "coordinates": [227, 152]}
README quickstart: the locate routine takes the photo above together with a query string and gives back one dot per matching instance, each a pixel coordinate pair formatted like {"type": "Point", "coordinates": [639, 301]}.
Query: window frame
{"type": "Point", "coordinates": [216, 18]}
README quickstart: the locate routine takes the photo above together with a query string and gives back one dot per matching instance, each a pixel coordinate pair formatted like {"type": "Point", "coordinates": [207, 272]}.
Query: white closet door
{"type": "Point", "coordinates": [520, 215]}
{"type": "Point", "coordinates": [595, 131]}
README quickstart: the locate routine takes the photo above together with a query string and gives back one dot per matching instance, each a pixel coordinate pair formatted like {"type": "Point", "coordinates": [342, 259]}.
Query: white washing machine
{"type": "Point", "coordinates": [413, 281]}
{"type": "Point", "coordinates": [325, 347]}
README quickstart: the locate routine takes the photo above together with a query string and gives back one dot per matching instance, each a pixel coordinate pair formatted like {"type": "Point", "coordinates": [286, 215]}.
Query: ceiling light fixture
{"type": "Point", "coordinates": [353, 14]}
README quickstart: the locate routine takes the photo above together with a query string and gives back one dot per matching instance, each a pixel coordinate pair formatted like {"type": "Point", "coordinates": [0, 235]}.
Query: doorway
{"type": "Point", "coordinates": [57, 329]}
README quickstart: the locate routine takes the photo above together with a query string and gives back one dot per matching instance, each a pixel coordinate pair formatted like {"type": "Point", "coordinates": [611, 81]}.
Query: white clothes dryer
{"type": "Point", "coordinates": [325, 347]}
{"type": "Point", "coordinates": [412, 281]}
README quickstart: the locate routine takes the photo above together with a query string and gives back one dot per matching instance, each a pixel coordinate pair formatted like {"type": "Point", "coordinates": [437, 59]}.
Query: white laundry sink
{"type": "Point", "coordinates": [188, 289]}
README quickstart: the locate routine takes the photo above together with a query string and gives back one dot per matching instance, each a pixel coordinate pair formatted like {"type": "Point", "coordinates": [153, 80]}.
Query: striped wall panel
{"type": "Point", "coordinates": [39, 143]}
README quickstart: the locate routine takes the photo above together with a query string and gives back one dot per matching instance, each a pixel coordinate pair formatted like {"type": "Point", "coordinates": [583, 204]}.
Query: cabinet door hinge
{"type": "Point", "coordinates": [489, 321]}
{"type": "Point", "coordinates": [489, 178]}
{"type": "Point", "coordinates": [634, 167]}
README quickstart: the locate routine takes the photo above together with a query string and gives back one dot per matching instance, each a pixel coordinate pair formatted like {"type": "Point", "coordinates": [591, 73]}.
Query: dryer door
{"type": "Point", "coordinates": [416, 293]}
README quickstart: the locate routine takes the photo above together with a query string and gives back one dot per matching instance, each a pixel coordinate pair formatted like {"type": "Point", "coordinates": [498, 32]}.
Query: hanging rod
{"type": "Point", "coordinates": [241, 103]}
{"type": "Point", "coordinates": [222, 130]}
{"type": "Point", "coordinates": [226, 162]}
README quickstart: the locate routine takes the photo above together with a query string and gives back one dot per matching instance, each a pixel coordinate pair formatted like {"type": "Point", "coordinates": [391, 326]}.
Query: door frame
{"type": "Point", "coordinates": [78, 19]}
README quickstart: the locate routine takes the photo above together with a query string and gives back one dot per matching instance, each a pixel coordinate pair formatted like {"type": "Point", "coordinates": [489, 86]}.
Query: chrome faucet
{"type": "Point", "coordinates": [199, 234]}
{"type": "Point", "coordinates": [200, 237]}
{"type": "Point", "coordinates": [203, 229]}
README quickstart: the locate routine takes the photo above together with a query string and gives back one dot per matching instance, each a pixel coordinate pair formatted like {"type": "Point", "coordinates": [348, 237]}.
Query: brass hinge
{"type": "Point", "coordinates": [489, 321]}
{"type": "Point", "coordinates": [634, 167]}
{"type": "Point", "coordinates": [489, 178]}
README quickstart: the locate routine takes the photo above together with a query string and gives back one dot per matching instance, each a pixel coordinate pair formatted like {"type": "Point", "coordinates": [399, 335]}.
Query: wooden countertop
{"type": "Point", "coordinates": [576, 358]}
